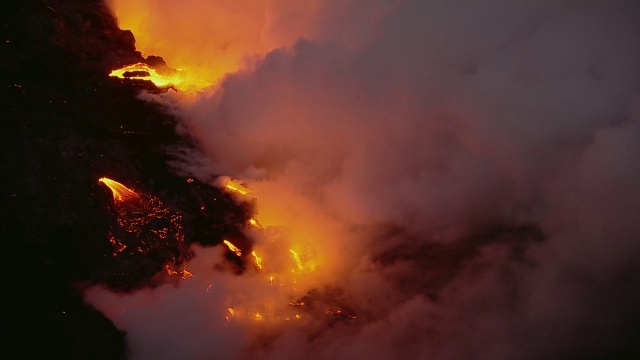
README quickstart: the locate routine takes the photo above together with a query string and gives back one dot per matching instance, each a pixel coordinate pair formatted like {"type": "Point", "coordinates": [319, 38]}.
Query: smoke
{"type": "Point", "coordinates": [461, 177]}
{"type": "Point", "coordinates": [208, 39]}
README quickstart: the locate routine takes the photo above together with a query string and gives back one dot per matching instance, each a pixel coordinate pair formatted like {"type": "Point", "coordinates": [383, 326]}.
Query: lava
{"type": "Point", "coordinates": [256, 224]}
{"type": "Point", "coordinates": [205, 47]}
{"type": "Point", "coordinates": [296, 257]}
{"type": "Point", "coordinates": [184, 273]}
{"type": "Point", "coordinates": [142, 71]}
{"type": "Point", "coordinates": [120, 192]}
{"type": "Point", "coordinates": [292, 267]}
{"type": "Point", "coordinates": [257, 259]}
{"type": "Point", "coordinates": [233, 248]}
{"type": "Point", "coordinates": [237, 187]}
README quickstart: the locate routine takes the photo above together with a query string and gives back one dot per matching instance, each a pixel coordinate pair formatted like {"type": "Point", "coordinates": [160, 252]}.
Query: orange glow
{"type": "Point", "coordinates": [257, 259]}
{"type": "Point", "coordinates": [288, 243]}
{"type": "Point", "coordinates": [233, 248]}
{"type": "Point", "coordinates": [120, 192]}
{"type": "Point", "coordinates": [230, 313]}
{"type": "Point", "coordinates": [211, 38]}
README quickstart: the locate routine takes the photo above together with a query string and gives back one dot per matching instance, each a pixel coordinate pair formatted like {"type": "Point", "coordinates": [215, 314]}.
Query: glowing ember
{"type": "Point", "coordinates": [117, 245]}
{"type": "Point", "coordinates": [209, 46]}
{"type": "Point", "coordinates": [258, 316]}
{"type": "Point", "coordinates": [255, 224]}
{"type": "Point", "coordinates": [230, 313]}
{"type": "Point", "coordinates": [186, 273]}
{"type": "Point", "coordinates": [169, 271]}
{"type": "Point", "coordinates": [233, 248]}
{"type": "Point", "coordinates": [142, 71]}
{"type": "Point", "coordinates": [257, 259]}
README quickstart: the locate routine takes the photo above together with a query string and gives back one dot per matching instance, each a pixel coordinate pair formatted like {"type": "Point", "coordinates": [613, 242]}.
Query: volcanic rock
{"type": "Point", "coordinates": [65, 125]}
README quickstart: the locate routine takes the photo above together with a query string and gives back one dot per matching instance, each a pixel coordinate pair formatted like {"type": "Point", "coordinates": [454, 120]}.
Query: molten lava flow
{"type": "Point", "coordinates": [237, 187]}
{"type": "Point", "coordinates": [142, 71]}
{"type": "Point", "coordinates": [233, 248]}
{"type": "Point", "coordinates": [148, 224]}
{"type": "Point", "coordinates": [257, 259]}
{"type": "Point", "coordinates": [120, 192]}
{"type": "Point", "coordinates": [287, 267]}
{"type": "Point", "coordinates": [255, 224]}
{"type": "Point", "coordinates": [296, 257]}
{"type": "Point", "coordinates": [208, 39]}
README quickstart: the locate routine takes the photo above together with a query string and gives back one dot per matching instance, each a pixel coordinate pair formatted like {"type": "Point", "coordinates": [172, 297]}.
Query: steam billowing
{"type": "Point", "coordinates": [467, 173]}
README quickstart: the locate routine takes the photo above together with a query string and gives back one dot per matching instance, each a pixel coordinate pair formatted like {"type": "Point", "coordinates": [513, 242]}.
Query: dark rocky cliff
{"type": "Point", "coordinates": [65, 124]}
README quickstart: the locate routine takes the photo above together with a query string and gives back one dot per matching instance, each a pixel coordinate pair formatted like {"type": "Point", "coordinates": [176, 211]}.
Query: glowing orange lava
{"type": "Point", "coordinates": [296, 257]}
{"type": "Point", "coordinates": [237, 187]}
{"type": "Point", "coordinates": [186, 273]}
{"type": "Point", "coordinates": [153, 224]}
{"type": "Point", "coordinates": [257, 259]}
{"type": "Point", "coordinates": [256, 224]}
{"type": "Point", "coordinates": [233, 248]}
{"type": "Point", "coordinates": [291, 270]}
{"type": "Point", "coordinates": [142, 71]}
{"type": "Point", "coordinates": [207, 39]}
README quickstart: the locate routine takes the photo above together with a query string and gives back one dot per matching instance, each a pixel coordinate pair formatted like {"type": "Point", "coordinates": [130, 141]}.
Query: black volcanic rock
{"type": "Point", "coordinates": [65, 124]}
{"type": "Point", "coordinates": [130, 74]}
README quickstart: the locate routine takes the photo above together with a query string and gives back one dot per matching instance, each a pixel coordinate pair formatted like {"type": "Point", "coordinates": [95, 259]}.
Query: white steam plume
{"type": "Point", "coordinates": [468, 174]}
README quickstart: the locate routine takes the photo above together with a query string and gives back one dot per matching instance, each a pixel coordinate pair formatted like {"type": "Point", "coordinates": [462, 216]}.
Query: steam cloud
{"type": "Point", "coordinates": [468, 171]}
